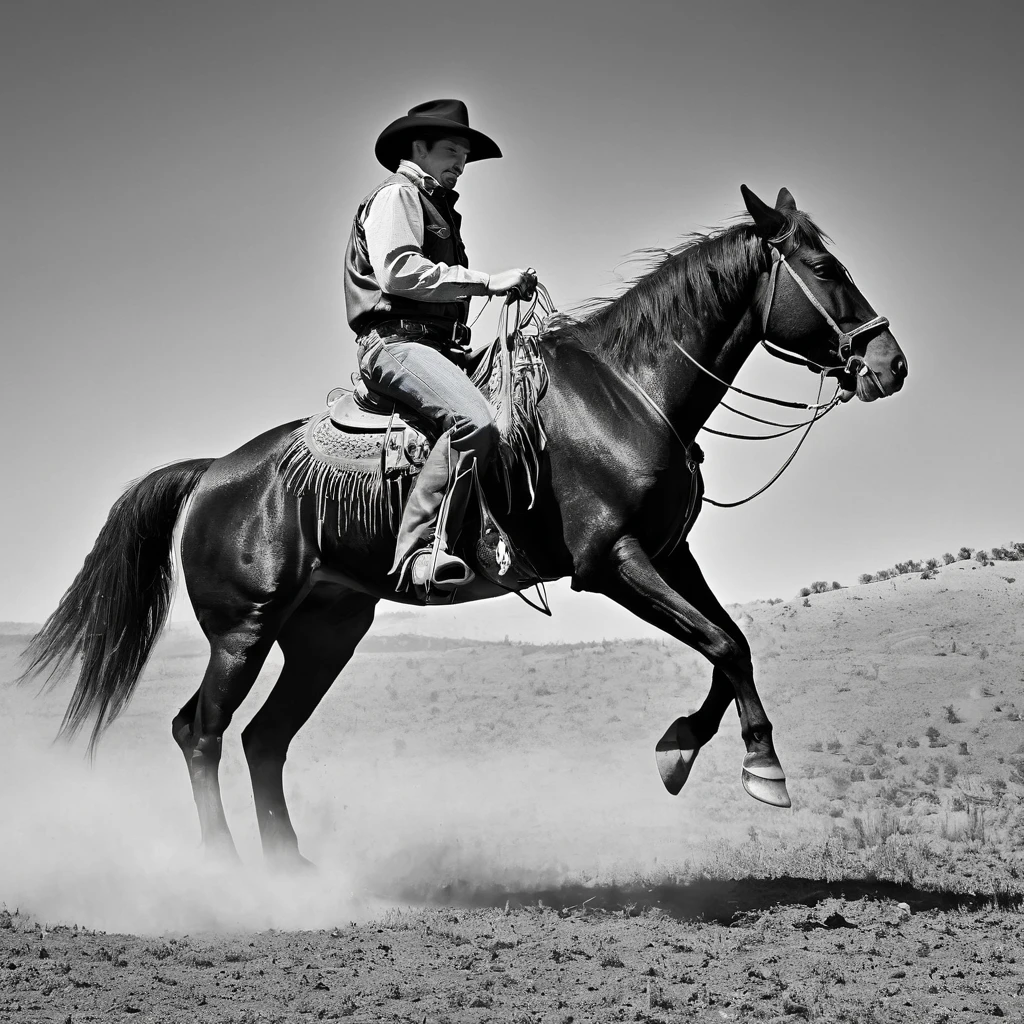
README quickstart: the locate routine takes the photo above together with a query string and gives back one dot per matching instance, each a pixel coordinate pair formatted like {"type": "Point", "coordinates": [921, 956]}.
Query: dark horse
{"type": "Point", "coordinates": [629, 386]}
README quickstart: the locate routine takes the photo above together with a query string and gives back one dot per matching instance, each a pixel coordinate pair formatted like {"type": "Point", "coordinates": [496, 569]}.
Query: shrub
{"type": "Point", "coordinates": [836, 585]}
{"type": "Point", "coordinates": [932, 563]}
{"type": "Point", "coordinates": [1018, 546]}
{"type": "Point", "coordinates": [883, 574]}
{"type": "Point", "coordinates": [865, 577]}
{"type": "Point", "coordinates": [927, 574]}
{"type": "Point", "coordinates": [856, 775]}
{"type": "Point", "coordinates": [949, 558]}
{"type": "Point", "coordinates": [819, 587]}
{"type": "Point", "coordinates": [805, 592]}
{"type": "Point", "coordinates": [951, 716]}
{"type": "Point", "coordinates": [964, 554]}
{"type": "Point", "coordinates": [817, 746]}
{"type": "Point", "coordinates": [834, 746]}
{"type": "Point", "coordinates": [915, 565]}
{"type": "Point", "coordinates": [876, 773]}
{"type": "Point", "coordinates": [901, 567]}
{"type": "Point", "coordinates": [963, 749]}
{"type": "Point", "coordinates": [981, 556]}
{"type": "Point", "coordinates": [913, 741]}
{"type": "Point", "coordinates": [807, 602]}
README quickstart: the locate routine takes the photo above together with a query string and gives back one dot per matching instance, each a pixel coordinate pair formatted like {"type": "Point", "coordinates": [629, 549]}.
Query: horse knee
{"type": "Point", "coordinates": [728, 650]}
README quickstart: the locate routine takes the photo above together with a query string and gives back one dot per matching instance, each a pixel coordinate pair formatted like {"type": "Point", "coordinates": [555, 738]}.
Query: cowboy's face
{"type": "Point", "coordinates": [444, 161]}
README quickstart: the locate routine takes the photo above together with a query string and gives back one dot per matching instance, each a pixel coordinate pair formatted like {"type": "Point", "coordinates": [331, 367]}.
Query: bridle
{"type": "Point", "coordinates": [848, 363]}
{"type": "Point", "coordinates": [844, 339]}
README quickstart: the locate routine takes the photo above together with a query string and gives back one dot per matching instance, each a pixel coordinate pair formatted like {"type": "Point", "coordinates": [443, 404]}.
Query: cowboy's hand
{"type": "Point", "coordinates": [503, 282]}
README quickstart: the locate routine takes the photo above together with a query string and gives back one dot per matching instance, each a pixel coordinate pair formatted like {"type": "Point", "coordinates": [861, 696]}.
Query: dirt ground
{"type": "Point", "coordinates": [815, 955]}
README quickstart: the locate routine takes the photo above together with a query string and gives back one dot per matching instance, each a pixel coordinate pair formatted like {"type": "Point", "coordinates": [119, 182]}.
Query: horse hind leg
{"type": "Point", "coordinates": [236, 658]}
{"type": "Point", "coordinates": [317, 641]}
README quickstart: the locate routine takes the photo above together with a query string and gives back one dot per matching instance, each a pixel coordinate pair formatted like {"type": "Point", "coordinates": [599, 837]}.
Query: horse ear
{"type": "Point", "coordinates": [768, 222]}
{"type": "Point", "coordinates": [785, 203]}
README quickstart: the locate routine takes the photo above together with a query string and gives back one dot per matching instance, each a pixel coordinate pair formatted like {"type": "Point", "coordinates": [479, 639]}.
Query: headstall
{"type": "Point", "coordinates": [844, 348]}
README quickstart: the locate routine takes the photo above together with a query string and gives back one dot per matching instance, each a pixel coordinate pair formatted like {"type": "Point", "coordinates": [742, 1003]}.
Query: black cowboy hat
{"type": "Point", "coordinates": [449, 115]}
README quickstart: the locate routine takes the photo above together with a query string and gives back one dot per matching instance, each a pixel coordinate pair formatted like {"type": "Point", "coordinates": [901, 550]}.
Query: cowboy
{"type": "Point", "coordinates": [407, 291]}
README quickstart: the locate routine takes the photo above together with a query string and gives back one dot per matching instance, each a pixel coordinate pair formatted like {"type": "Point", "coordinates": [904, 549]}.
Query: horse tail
{"type": "Point", "coordinates": [112, 614]}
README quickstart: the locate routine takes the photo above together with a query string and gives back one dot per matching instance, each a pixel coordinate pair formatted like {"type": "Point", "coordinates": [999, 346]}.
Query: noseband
{"type": "Point", "coordinates": [844, 346]}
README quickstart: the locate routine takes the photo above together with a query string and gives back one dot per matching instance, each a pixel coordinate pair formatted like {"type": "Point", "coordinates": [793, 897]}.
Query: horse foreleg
{"type": "Point", "coordinates": [688, 610]}
{"type": "Point", "coordinates": [317, 641]}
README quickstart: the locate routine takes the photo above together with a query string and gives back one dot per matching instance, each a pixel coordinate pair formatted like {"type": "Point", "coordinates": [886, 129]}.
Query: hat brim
{"type": "Point", "coordinates": [391, 142]}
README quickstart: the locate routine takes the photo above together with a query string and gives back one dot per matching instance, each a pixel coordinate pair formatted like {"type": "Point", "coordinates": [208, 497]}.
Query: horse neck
{"type": "Point", "coordinates": [685, 393]}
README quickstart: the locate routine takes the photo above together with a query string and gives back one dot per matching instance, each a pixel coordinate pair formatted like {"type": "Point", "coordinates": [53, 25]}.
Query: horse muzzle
{"type": "Point", "coordinates": [878, 373]}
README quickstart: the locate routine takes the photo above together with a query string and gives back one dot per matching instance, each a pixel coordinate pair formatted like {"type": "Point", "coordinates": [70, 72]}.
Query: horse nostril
{"type": "Point", "coordinates": [899, 367]}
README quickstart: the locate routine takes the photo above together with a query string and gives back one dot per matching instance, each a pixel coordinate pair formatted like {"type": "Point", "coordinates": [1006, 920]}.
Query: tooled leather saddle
{"type": "Point", "coordinates": [361, 433]}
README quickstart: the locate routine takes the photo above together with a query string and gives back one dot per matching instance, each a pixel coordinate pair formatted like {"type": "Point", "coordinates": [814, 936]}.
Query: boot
{"type": "Point", "coordinates": [432, 520]}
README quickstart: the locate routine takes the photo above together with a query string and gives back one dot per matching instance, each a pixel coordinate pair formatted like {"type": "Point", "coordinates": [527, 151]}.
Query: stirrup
{"type": "Point", "coordinates": [440, 570]}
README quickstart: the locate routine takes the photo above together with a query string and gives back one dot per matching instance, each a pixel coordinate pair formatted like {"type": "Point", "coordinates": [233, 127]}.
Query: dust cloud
{"type": "Point", "coordinates": [115, 845]}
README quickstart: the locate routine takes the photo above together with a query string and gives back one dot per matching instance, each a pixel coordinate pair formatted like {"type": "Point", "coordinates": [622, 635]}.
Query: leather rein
{"type": "Point", "coordinates": [848, 363]}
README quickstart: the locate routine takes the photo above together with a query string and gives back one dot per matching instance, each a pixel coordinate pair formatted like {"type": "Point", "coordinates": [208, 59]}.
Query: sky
{"type": "Point", "coordinates": [177, 183]}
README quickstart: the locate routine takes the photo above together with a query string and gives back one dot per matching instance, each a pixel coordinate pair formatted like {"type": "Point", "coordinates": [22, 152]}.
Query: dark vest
{"type": "Point", "coordinates": [442, 243]}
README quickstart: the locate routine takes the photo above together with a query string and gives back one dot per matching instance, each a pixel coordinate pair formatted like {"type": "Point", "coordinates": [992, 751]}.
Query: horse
{"type": "Point", "coordinates": [630, 381]}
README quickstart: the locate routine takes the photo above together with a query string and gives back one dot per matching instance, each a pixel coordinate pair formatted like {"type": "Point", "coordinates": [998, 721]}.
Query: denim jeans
{"type": "Point", "coordinates": [423, 378]}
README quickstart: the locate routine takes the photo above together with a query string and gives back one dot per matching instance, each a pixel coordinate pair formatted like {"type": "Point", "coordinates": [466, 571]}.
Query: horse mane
{"type": "Point", "coordinates": [689, 287]}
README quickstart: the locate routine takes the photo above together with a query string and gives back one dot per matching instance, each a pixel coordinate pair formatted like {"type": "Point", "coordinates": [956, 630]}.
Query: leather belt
{"type": "Point", "coordinates": [454, 332]}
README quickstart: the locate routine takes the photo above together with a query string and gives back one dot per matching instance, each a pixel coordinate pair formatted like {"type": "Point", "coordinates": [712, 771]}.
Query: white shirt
{"type": "Point", "coordinates": [393, 224]}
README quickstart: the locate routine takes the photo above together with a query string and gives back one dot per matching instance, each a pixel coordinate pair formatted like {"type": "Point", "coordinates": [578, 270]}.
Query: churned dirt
{"type": "Point", "coordinates": [831, 960]}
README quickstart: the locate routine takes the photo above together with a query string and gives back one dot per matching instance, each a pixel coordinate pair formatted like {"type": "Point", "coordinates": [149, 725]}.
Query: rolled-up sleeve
{"type": "Point", "coordinates": [393, 223]}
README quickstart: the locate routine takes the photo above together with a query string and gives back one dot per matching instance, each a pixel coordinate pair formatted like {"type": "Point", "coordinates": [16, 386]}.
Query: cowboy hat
{"type": "Point", "coordinates": [448, 115]}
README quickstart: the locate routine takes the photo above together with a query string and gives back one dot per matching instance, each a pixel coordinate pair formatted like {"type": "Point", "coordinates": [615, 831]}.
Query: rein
{"type": "Point", "coordinates": [843, 351]}
{"type": "Point", "coordinates": [822, 410]}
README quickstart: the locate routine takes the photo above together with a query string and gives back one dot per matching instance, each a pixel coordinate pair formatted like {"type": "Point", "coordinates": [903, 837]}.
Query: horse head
{"type": "Point", "coordinates": [812, 312]}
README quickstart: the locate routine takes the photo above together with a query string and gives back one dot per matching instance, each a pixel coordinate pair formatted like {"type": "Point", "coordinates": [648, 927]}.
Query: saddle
{"type": "Point", "coordinates": [366, 441]}
{"type": "Point", "coordinates": [360, 410]}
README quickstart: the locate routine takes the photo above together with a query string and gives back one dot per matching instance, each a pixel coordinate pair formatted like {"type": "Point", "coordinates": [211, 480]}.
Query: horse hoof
{"type": "Point", "coordinates": [765, 780]}
{"type": "Point", "coordinates": [675, 753]}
